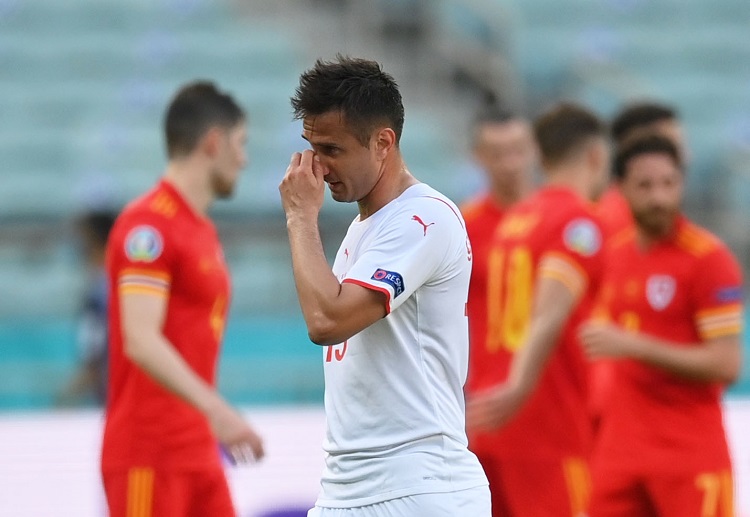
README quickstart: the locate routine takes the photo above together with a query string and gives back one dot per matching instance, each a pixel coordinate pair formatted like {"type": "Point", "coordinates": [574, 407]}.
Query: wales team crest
{"type": "Point", "coordinates": [660, 290]}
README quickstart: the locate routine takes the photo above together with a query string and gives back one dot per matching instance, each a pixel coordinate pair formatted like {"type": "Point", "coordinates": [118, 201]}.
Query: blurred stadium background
{"type": "Point", "coordinates": [83, 84]}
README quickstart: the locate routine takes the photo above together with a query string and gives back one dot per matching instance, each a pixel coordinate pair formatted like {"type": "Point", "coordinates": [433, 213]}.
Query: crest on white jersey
{"type": "Point", "coordinates": [660, 291]}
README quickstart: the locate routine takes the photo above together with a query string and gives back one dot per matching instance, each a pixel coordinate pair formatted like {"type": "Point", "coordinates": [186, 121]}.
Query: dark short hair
{"type": "Point", "coordinates": [359, 88]}
{"type": "Point", "coordinates": [491, 114]}
{"type": "Point", "coordinates": [494, 114]}
{"type": "Point", "coordinates": [643, 144]}
{"type": "Point", "coordinates": [638, 116]}
{"type": "Point", "coordinates": [195, 108]}
{"type": "Point", "coordinates": [564, 129]}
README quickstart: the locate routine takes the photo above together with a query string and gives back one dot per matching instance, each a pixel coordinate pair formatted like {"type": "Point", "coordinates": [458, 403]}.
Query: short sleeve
{"type": "Point", "coordinates": [718, 295]}
{"type": "Point", "coordinates": [574, 256]}
{"type": "Point", "coordinates": [142, 257]}
{"type": "Point", "coordinates": [415, 245]}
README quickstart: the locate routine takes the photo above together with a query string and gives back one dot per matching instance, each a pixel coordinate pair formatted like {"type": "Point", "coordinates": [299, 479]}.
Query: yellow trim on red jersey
{"type": "Point", "coordinates": [559, 267]}
{"type": "Point", "coordinates": [139, 289]}
{"type": "Point", "coordinates": [143, 281]}
{"type": "Point", "coordinates": [578, 481]}
{"type": "Point", "coordinates": [140, 492]}
{"type": "Point", "coordinates": [161, 275]}
{"type": "Point", "coordinates": [164, 204]}
{"type": "Point", "coordinates": [622, 237]}
{"type": "Point", "coordinates": [471, 208]}
{"type": "Point", "coordinates": [696, 241]}
{"type": "Point", "coordinates": [727, 494]}
{"type": "Point", "coordinates": [600, 314]}
{"type": "Point", "coordinates": [517, 226]}
{"type": "Point", "coordinates": [720, 321]}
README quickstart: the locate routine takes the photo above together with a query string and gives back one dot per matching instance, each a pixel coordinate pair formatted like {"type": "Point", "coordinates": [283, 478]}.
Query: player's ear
{"type": "Point", "coordinates": [385, 140]}
{"type": "Point", "coordinates": [210, 142]}
{"type": "Point", "coordinates": [598, 156]}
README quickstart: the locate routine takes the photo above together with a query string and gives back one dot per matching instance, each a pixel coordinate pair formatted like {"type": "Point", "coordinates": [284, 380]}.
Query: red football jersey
{"type": "Point", "coordinates": [685, 289]}
{"type": "Point", "coordinates": [160, 246]}
{"type": "Point", "coordinates": [615, 215]}
{"type": "Point", "coordinates": [554, 233]}
{"type": "Point", "coordinates": [482, 216]}
{"type": "Point", "coordinates": [614, 212]}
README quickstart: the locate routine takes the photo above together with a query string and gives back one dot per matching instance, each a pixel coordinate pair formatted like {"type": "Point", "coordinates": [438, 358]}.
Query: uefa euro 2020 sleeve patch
{"type": "Point", "coordinates": [143, 244]}
{"type": "Point", "coordinates": [391, 278]}
{"type": "Point", "coordinates": [582, 236]}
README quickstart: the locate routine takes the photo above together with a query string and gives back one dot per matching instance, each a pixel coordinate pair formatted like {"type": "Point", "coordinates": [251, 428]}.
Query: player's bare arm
{"type": "Point", "coordinates": [145, 345]}
{"type": "Point", "coordinates": [333, 311]}
{"type": "Point", "coordinates": [554, 302]}
{"type": "Point", "coordinates": [713, 360]}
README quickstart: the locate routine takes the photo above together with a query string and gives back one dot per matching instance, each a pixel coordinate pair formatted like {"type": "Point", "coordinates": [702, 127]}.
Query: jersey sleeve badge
{"type": "Point", "coordinates": [582, 236]}
{"type": "Point", "coordinates": [729, 294]}
{"type": "Point", "coordinates": [395, 280]}
{"type": "Point", "coordinates": [144, 244]}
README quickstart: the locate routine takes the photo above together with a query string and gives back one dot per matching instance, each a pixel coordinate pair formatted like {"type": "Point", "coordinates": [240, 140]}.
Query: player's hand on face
{"type": "Point", "coordinates": [237, 437]}
{"type": "Point", "coordinates": [603, 340]}
{"type": "Point", "coordinates": [492, 408]}
{"type": "Point", "coordinates": [303, 187]}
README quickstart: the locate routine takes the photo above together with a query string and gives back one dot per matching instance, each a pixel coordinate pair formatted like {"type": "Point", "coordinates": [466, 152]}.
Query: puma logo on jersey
{"type": "Point", "coordinates": [419, 220]}
{"type": "Point", "coordinates": [346, 253]}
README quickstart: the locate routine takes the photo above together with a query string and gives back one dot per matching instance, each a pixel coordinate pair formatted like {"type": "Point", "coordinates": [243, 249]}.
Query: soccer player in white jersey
{"type": "Point", "coordinates": [391, 316]}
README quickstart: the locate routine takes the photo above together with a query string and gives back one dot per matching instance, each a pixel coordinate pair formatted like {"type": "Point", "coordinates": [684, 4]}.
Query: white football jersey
{"type": "Point", "coordinates": [394, 392]}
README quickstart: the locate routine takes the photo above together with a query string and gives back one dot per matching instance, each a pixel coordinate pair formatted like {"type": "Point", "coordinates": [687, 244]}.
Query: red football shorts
{"type": "Point", "coordinates": [537, 488]}
{"type": "Point", "coordinates": [620, 494]}
{"type": "Point", "coordinates": [145, 492]}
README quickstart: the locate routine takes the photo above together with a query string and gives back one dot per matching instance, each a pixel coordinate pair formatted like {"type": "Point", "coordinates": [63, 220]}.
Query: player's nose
{"type": "Point", "coordinates": [320, 166]}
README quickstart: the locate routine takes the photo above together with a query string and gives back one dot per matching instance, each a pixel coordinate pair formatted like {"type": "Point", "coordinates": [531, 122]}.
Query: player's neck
{"type": "Point", "coordinates": [509, 194]}
{"type": "Point", "coordinates": [571, 177]}
{"type": "Point", "coordinates": [647, 237]}
{"type": "Point", "coordinates": [394, 180]}
{"type": "Point", "coordinates": [191, 182]}
{"type": "Point", "coordinates": [647, 240]}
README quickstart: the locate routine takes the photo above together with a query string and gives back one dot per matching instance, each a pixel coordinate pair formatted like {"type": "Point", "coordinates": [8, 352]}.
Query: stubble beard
{"type": "Point", "coordinates": [656, 222]}
{"type": "Point", "coordinates": [222, 188]}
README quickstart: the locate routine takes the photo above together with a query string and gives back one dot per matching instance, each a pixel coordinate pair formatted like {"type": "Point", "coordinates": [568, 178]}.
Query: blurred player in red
{"type": "Point", "coordinates": [637, 119]}
{"type": "Point", "coordinates": [503, 147]}
{"type": "Point", "coordinates": [634, 119]}
{"type": "Point", "coordinates": [170, 294]}
{"type": "Point", "coordinates": [672, 299]}
{"type": "Point", "coordinates": [545, 264]}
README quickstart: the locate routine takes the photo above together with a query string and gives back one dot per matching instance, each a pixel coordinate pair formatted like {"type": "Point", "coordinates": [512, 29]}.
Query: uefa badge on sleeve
{"type": "Point", "coordinates": [582, 236]}
{"type": "Point", "coordinates": [143, 244]}
{"type": "Point", "coordinates": [395, 280]}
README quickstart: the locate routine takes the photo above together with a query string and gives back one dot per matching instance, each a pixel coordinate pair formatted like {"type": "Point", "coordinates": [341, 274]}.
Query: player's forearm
{"type": "Point", "coordinates": [160, 361]}
{"type": "Point", "coordinates": [535, 352]}
{"type": "Point", "coordinates": [717, 361]}
{"type": "Point", "coordinates": [317, 287]}
{"type": "Point", "coordinates": [552, 307]}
